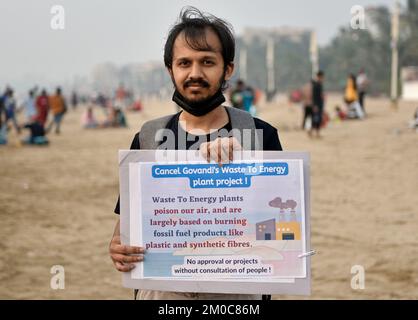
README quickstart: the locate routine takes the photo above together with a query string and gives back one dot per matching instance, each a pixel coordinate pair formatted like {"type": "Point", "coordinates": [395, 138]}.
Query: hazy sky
{"type": "Point", "coordinates": [123, 31]}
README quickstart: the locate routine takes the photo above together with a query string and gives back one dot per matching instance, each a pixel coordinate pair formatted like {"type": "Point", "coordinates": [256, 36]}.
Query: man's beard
{"type": "Point", "coordinates": [204, 84]}
{"type": "Point", "coordinates": [200, 107]}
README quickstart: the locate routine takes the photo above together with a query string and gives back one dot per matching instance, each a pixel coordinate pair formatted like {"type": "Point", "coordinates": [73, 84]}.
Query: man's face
{"type": "Point", "coordinates": [198, 75]}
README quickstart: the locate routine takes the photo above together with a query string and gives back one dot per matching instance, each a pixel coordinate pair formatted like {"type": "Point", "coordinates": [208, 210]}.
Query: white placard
{"type": "Point", "coordinates": [239, 228]}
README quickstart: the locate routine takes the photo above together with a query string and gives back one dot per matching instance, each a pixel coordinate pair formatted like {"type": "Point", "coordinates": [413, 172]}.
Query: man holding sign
{"type": "Point", "coordinates": [199, 56]}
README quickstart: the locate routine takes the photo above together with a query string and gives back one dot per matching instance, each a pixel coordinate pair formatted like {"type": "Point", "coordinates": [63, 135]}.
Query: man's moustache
{"type": "Point", "coordinates": [202, 83]}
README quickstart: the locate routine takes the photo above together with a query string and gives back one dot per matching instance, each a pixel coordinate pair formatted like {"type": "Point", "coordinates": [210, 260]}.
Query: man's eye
{"type": "Point", "coordinates": [208, 62]}
{"type": "Point", "coordinates": [183, 63]}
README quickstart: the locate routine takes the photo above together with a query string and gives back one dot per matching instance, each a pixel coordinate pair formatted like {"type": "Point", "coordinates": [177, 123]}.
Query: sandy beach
{"type": "Point", "coordinates": [56, 204]}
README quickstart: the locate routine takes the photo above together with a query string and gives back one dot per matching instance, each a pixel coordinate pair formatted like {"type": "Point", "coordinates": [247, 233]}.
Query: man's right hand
{"type": "Point", "coordinates": [220, 150]}
{"type": "Point", "coordinates": [124, 257]}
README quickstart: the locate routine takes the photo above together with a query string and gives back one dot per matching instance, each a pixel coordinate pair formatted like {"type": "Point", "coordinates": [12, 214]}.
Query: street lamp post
{"type": "Point", "coordinates": [314, 53]}
{"type": "Point", "coordinates": [395, 58]}
{"type": "Point", "coordinates": [270, 68]}
{"type": "Point", "coordinates": [243, 64]}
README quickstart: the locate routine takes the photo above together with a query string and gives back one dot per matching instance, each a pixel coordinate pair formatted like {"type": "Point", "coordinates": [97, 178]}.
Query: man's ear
{"type": "Point", "coordinates": [229, 71]}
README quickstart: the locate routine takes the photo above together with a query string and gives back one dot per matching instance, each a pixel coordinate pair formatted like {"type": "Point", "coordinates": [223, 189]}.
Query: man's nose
{"type": "Point", "coordinates": [196, 71]}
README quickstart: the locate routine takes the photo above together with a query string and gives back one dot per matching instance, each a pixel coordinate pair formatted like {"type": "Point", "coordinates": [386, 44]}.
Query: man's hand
{"type": "Point", "coordinates": [220, 150]}
{"type": "Point", "coordinates": [124, 257]}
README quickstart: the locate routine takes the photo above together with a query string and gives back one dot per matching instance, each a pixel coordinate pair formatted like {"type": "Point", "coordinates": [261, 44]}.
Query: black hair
{"type": "Point", "coordinates": [194, 23]}
{"type": "Point", "coordinates": [320, 73]}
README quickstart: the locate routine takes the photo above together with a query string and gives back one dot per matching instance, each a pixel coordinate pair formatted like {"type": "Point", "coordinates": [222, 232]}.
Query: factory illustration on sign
{"type": "Point", "coordinates": [286, 228]}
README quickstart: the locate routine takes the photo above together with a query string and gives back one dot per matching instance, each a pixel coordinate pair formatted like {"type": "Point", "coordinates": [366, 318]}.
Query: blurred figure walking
{"type": "Point", "coordinates": [10, 108]}
{"type": "Point", "coordinates": [42, 108]}
{"type": "Point", "coordinates": [58, 108]}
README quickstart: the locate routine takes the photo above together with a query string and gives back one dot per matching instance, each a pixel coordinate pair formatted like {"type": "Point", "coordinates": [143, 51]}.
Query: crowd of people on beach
{"type": "Point", "coordinates": [113, 107]}
{"type": "Point", "coordinates": [36, 108]}
{"type": "Point", "coordinates": [312, 98]}
{"type": "Point", "coordinates": [41, 113]}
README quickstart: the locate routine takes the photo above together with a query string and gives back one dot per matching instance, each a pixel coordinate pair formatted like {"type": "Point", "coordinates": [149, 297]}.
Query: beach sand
{"type": "Point", "coordinates": [56, 204]}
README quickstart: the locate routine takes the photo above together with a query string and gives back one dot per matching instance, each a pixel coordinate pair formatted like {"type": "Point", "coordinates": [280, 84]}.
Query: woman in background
{"type": "Point", "coordinates": [351, 99]}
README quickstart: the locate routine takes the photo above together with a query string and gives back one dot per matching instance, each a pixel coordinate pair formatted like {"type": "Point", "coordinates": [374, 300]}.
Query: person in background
{"type": "Point", "coordinates": [42, 108]}
{"type": "Point", "coordinates": [120, 119]}
{"type": "Point", "coordinates": [136, 104]}
{"type": "Point", "coordinates": [10, 108]}
{"type": "Point", "coordinates": [340, 114]}
{"type": "Point", "coordinates": [351, 99]}
{"type": "Point", "coordinates": [37, 133]}
{"type": "Point", "coordinates": [116, 119]}
{"type": "Point", "coordinates": [362, 85]}
{"type": "Point", "coordinates": [318, 102]}
{"type": "Point", "coordinates": [249, 100]}
{"type": "Point", "coordinates": [237, 95]}
{"type": "Point", "coordinates": [30, 106]}
{"type": "Point", "coordinates": [2, 109]}
{"type": "Point", "coordinates": [88, 121]}
{"type": "Point", "coordinates": [3, 127]}
{"type": "Point", "coordinates": [121, 97]}
{"type": "Point", "coordinates": [307, 103]}
{"type": "Point", "coordinates": [58, 108]}
{"type": "Point", "coordinates": [74, 100]}
{"type": "Point", "coordinates": [242, 97]}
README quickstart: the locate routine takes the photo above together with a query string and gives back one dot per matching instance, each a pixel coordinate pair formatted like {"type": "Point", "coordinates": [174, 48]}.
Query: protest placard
{"type": "Point", "coordinates": [204, 225]}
